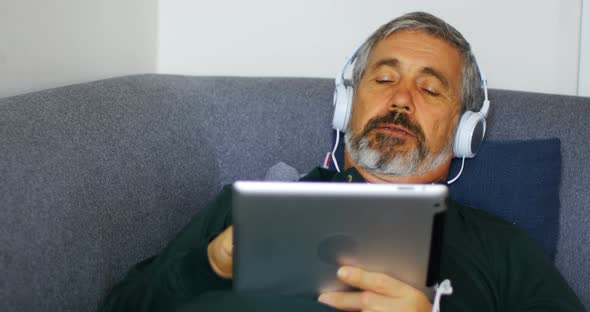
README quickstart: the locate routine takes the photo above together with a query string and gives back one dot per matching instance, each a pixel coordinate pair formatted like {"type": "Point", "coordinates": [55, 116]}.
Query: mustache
{"type": "Point", "coordinates": [395, 118]}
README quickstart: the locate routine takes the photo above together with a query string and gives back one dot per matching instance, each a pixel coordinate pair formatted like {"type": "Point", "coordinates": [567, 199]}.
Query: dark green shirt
{"type": "Point", "coordinates": [492, 266]}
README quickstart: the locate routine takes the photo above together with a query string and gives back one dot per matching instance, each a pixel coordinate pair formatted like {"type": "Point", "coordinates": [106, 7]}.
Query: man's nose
{"type": "Point", "coordinates": [401, 100]}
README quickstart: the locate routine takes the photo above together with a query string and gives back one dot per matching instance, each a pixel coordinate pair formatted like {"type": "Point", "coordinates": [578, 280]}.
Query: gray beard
{"type": "Point", "coordinates": [411, 163]}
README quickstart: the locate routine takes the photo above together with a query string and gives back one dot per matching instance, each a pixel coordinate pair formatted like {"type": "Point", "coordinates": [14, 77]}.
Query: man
{"type": "Point", "coordinates": [413, 79]}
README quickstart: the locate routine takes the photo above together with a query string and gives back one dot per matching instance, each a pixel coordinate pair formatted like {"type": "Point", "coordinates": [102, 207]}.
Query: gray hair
{"type": "Point", "coordinates": [472, 96]}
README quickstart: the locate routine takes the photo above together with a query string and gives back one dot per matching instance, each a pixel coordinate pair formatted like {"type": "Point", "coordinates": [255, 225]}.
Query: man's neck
{"type": "Point", "coordinates": [438, 175]}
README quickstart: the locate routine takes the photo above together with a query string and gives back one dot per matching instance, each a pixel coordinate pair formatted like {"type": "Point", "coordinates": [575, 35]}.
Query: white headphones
{"type": "Point", "coordinates": [470, 131]}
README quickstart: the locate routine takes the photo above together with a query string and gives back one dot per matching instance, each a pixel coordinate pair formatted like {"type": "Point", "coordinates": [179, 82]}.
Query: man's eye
{"type": "Point", "coordinates": [384, 80]}
{"type": "Point", "coordinates": [431, 92]}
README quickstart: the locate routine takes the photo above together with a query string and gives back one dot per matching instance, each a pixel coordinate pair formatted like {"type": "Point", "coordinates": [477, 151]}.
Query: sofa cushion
{"type": "Point", "coordinates": [516, 180]}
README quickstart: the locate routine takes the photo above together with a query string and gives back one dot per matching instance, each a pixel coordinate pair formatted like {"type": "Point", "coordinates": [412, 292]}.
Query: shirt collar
{"type": "Point", "coordinates": [350, 175]}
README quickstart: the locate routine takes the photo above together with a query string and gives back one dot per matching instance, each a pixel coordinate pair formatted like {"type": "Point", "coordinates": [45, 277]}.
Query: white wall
{"type": "Point", "coordinates": [528, 45]}
{"type": "Point", "coordinates": [46, 44]}
{"type": "Point", "coordinates": [584, 80]}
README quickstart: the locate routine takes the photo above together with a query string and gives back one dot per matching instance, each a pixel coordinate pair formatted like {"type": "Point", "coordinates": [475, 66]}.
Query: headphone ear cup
{"type": "Point", "coordinates": [342, 107]}
{"type": "Point", "coordinates": [469, 135]}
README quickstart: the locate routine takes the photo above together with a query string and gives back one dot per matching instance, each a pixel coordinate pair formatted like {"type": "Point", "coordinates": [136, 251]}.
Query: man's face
{"type": "Point", "coordinates": [406, 105]}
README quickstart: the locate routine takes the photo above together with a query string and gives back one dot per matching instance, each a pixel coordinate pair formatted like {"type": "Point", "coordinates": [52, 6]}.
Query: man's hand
{"type": "Point", "coordinates": [220, 252]}
{"type": "Point", "coordinates": [379, 292]}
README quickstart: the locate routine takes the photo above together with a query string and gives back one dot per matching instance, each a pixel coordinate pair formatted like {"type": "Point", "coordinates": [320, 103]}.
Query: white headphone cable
{"type": "Point", "coordinates": [459, 174]}
{"type": "Point", "coordinates": [444, 288]}
{"type": "Point", "coordinates": [334, 150]}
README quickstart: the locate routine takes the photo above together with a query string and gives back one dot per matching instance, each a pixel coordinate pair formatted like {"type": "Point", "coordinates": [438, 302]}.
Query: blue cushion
{"type": "Point", "coordinates": [518, 181]}
{"type": "Point", "coordinates": [515, 180]}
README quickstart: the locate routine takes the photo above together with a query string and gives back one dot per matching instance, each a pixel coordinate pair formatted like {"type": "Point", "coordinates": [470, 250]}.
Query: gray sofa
{"type": "Point", "coordinates": [98, 176]}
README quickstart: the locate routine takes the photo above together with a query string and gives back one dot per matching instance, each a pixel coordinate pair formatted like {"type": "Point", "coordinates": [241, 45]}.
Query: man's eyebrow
{"type": "Point", "coordinates": [391, 62]}
{"type": "Point", "coordinates": [436, 74]}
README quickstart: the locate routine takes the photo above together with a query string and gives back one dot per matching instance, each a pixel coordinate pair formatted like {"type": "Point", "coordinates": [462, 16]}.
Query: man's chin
{"type": "Point", "coordinates": [397, 161]}
{"type": "Point", "coordinates": [401, 147]}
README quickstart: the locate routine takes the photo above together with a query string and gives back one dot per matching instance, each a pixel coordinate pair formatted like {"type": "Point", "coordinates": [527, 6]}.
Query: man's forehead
{"type": "Point", "coordinates": [419, 50]}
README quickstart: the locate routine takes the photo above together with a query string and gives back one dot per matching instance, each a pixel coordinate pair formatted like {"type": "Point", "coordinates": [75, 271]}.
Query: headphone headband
{"type": "Point", "coordinates": [484, 85]}
{"type": "Point", "coordinates": [349, 60]}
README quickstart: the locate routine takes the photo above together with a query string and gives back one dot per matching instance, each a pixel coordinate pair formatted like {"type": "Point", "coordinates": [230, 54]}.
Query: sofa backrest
{"type": "Point", "coordinates": [524, 115]}
{"type": "Point", "coordinates": [98, 176]}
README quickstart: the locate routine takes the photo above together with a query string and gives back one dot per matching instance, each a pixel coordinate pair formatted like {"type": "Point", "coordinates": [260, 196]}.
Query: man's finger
{"type": "Point", "coordinates": [375, 282]}
{"type": "Point", "coordinates": [345, 301]}
{"type": "Point", "coordinates": [357, 301]}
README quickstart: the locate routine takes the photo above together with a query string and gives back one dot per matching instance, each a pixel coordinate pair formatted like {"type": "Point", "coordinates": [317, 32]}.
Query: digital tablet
{"type": "Point", "coordinates": [291, 237]}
